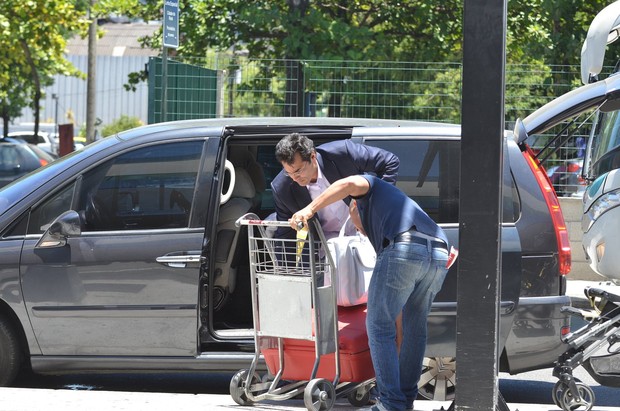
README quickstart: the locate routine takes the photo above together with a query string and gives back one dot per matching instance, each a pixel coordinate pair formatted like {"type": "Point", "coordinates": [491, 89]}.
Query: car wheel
{"type": "Point", "coordinates": [10, 353]}
{"type": "Point", "coordinates": [438, 379]}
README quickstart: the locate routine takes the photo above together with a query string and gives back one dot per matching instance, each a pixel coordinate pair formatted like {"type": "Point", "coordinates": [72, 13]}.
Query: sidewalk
{"type": "Point", "coordinates": [23, 399]}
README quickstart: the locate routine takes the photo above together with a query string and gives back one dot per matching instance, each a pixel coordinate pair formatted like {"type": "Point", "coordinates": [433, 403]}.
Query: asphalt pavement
{"type": "Point", "coordinates": [35, 399]}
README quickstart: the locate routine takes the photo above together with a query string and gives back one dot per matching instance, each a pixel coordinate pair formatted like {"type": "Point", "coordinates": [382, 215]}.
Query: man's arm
{"type": "Point", "coordinates": [355, 186]}
{"type": "Point", "coordinates": [384, 164]}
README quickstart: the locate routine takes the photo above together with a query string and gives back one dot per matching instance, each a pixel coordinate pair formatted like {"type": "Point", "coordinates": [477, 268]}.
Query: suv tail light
{"type": "Point", "coordinates": [561, 232]}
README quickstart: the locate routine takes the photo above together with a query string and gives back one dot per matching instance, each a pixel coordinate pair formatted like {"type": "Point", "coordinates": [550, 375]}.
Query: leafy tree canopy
{"type": "Point", "coordinates": [404, 30]}
{"type": "Point", "coordinates": [33, 37]}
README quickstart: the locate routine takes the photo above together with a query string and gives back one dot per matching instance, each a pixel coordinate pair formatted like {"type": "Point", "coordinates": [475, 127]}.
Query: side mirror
{"type": "Point", "coordinates": [66, 225]}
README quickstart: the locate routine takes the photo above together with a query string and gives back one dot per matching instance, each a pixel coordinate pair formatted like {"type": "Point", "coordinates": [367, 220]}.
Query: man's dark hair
{"type": "Point", "coordinates": [291, 144]}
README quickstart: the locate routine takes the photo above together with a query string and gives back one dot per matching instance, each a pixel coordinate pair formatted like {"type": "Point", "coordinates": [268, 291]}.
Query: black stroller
{"type": "Point", "coordinates": [596, 346]}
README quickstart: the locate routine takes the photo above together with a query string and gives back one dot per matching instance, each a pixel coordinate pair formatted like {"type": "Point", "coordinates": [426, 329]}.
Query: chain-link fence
{"type": "Point", "coordinates": [393, 90]}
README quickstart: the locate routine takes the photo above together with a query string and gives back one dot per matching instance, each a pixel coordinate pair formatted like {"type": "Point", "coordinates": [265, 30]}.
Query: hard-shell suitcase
{"type": "Point", "coordinates": [355, 361]}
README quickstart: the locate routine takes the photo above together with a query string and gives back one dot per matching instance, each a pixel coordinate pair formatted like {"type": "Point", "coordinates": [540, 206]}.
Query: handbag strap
{"type": "Point", "coordinates": [344, 226]}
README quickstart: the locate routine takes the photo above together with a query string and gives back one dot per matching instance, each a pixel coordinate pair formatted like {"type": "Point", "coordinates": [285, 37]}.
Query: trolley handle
{"type": "Point", "coordinates": [253, 219]}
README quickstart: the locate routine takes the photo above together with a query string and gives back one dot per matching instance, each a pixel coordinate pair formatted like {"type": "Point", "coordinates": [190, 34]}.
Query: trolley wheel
{"type": "Point", "coordinates": [319, 395]}
{"type": "Point", "coordinates": [237, 387]}
{"type": "Point", "coordinates": [571, 403]}
{"type": "Point", "coordinates": [359, 397]}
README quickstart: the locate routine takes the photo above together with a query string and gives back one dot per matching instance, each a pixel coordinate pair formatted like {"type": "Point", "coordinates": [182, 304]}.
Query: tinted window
{"type": "Point", "coordinates": [429, 173]}
{"type": "Point", "coordinates": [148, 188]}
{"type": "Point", "coordinates": [43, 215]}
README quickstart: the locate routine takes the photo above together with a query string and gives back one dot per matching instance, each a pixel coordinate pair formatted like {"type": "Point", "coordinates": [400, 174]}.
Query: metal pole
{"type": "Point", "coordinates": [164, 83]}
{"type": "Point", "coordinates": [480, 205]}
{"type": "Point", "coordinates": [91, 87]}
{"type": "Point", "coordinates": [55, 98]}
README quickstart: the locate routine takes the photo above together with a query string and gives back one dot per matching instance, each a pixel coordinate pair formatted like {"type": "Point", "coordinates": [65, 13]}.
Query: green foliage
{"type": "Point", "coordinates": [33, 37]}
{"type": "Point", "coordinates": [122, 124]}
{"type": "Point", "coordinates": [540, 34]}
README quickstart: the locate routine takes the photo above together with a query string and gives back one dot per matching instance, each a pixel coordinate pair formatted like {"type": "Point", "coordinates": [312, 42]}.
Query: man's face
{"type": "Point", "coordinates": [302, 172]}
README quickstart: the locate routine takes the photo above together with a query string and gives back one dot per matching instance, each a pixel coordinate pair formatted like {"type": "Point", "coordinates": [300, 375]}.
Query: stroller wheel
{"type": "Point", "coordinates": [584, 399]}
{"type": "Point", "coordinates": [558, 390]}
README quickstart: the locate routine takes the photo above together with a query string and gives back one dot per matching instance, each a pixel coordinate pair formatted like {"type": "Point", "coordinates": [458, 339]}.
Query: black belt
{"type": "Point", "coordinates": [412, 237]}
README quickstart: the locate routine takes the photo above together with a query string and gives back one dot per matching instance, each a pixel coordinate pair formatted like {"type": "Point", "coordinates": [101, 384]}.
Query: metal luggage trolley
{"type": "Point", "coordinates": [602, 330]}
{"type": "Point", "coordinates": [292, 300]}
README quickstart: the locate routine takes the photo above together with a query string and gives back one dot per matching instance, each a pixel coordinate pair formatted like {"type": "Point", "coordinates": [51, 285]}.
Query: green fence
{"type": "Point", "coordinates": [227, 85]}
{"type": "Point", "coordinates": [191, 91]}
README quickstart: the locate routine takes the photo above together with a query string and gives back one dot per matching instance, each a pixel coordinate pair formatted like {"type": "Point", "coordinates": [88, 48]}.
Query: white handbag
{"type": "Point", "coordinates": [354, 259]}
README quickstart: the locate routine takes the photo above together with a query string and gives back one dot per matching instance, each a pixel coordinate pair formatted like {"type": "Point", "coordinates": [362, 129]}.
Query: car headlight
{"type": "Point", "coordinates": [605, 203]}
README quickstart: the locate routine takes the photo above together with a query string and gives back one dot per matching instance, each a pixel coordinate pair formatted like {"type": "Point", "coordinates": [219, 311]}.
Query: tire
{"type": "Point", "coordinates": [585, 400]}
{"type": "Point", "coordinates": [360, 397]}
{"type": "Point", "coordinates": [10, 353]}
{"type": "Point", "coordinates": [558, 392]}
{"type": "Point", "coordinates": [237, 387]}
{"type": "Point", "coordinates": [319, 395]}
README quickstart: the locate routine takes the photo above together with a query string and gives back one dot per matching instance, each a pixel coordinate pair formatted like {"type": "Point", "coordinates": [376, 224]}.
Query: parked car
{"type": "Point", "coordinates": [51, 129]}
{"type": "Point", "coordinates": [42, 140]}
{"type": "Point", "coordinates": [18, 158]}
{"type": "Point", "coordinates": [125, 256]}
{"type": "Point", "coordinates": [566, 178]}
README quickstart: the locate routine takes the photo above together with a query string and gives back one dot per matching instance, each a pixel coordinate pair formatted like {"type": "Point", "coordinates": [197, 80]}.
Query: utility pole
{"type": "Point", "coordinates": [91, 86]}
{"type": "Point", "coordinates": [480, 207]}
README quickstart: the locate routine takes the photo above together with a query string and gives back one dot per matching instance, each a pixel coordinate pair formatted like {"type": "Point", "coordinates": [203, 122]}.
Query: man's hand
{"type": "Point", "coordinates": [302, 216]}
{"type": "Point", "coordinates": [348, 186]}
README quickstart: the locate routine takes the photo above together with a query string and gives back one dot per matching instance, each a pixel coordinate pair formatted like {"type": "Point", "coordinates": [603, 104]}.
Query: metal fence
{"type": "Point", "coordinates": [367, 89]}
{"type": "Point", "coordinates": [393, 90]}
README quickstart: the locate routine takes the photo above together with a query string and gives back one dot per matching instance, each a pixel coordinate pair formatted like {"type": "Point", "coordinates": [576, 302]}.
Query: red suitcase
{"type": "Point", "coordinates": [355, 362]}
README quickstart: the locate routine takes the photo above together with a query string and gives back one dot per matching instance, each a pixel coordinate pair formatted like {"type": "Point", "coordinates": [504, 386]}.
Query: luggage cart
{"type": "Point", "coordinates": [292, 301]}
{"type": "Point", "coordinates": [602, 330]}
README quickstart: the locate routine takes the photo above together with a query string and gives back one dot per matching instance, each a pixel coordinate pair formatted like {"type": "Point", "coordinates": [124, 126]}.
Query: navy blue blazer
{"type": "Point", "coordinates": [337, 159]}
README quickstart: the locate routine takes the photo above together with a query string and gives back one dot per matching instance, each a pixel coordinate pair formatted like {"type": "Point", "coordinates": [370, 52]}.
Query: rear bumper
{"type": "Point", "coordinates": [534, 341]}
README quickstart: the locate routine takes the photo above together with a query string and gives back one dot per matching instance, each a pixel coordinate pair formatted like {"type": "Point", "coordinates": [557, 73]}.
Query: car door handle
{"type": "Point", "coordinates": [179, 261]}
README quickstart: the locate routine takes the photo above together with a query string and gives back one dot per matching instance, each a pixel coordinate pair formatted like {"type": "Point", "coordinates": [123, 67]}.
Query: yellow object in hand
{"type": "Point", "coordinates": [302, 235]}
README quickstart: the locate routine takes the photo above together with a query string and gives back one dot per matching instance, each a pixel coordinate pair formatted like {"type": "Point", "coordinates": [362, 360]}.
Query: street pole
{"type": "Point", "coordinates": [480, 205]}
{"type": "Point", "coordinates": [164, 83]}
{"type": "Point", "coordinates": [91, 88]}
{"type": "Point", "coordinates": [55, 98]}
{"type": "Point", "coordinates": [170, 40]}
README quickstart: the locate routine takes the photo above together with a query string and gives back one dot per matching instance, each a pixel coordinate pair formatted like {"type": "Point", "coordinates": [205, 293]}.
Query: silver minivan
{"type": "Point", "coordinates": [124, 256]}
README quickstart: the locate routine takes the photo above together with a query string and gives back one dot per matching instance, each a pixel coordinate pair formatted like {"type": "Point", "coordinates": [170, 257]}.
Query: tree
{"type": "Point", "coordinates": [33, 37]}
{"type": "Point", "coordinates": [540, 32]}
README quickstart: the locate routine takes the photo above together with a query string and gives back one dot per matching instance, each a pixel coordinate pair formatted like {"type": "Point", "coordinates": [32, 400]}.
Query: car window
{"type": "Point", "coordinates": [430, 175]}
{"type": "Point", "coordinates": [148, 188]}
{"type": "Point", "coordinates": [9, 159]}
{"type": "Point", "coordinates": [43, 215]}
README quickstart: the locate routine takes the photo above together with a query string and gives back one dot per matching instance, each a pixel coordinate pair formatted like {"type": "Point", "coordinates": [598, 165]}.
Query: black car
{"type": "Point", "coordinates": [18, 158]}
{"type": "Point", "coordinates": [125, 255]}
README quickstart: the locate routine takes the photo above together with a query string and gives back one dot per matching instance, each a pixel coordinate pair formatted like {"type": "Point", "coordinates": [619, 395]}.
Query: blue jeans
{"type": "Point", "coordinates": [406, 278]}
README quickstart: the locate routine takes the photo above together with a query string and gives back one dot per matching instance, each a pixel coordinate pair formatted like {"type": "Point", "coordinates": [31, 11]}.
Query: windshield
{"type": "Point", "coordinates": [604, 151]}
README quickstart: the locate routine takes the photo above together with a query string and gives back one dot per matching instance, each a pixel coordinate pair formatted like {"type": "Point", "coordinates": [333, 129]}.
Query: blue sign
{"type": "Point", "coordinates": [171, 23]}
